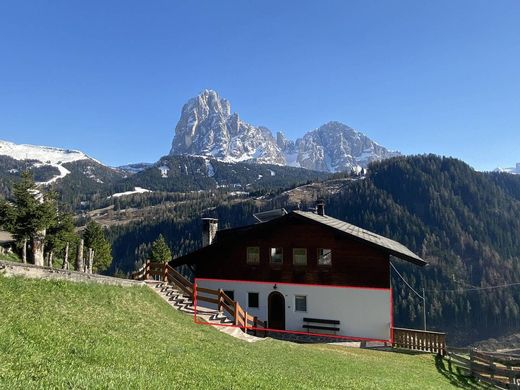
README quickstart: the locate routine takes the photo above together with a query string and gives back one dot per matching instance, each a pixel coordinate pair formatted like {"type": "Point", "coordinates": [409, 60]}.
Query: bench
{"type": "Point", "coordinates": [311, 323]}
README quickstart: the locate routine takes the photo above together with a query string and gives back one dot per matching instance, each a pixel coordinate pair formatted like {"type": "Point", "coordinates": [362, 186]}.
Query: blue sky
{"type": "Point", "coordinates": [110, 77]}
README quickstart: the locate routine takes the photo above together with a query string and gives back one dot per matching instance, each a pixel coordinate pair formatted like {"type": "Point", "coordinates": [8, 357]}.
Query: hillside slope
{"type": "Point", "coordinates": [68, 335]}
{"type": "Point", "coordinates": [466, 224]}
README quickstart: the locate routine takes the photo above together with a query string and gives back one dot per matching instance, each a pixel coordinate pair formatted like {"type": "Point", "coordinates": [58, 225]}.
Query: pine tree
{"type": "Point", "coordinates": [160, 251]}
{"type": "Point", "coordinates": [29, 215]}
{"type": "Point", "coordinates": [60, 235]}
{"type": "Point", "coordinates": [94, 237]}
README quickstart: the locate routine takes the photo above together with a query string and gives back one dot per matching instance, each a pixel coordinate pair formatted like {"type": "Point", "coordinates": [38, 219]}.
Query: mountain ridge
{"type": "Point", "coordinates": [208, 128]}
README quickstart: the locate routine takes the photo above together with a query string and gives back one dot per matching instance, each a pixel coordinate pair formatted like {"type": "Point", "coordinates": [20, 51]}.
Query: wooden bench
{"type": "Point", "coordinates": [311, 323]}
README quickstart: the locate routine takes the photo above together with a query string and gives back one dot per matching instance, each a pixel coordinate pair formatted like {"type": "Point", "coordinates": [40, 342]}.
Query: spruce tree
{"type": "Point", "coordinates": [94, 237]}
{"type": "Point", "coordinates": [160, 251]}
{"type": "Point", "coordinates": [29, 215]}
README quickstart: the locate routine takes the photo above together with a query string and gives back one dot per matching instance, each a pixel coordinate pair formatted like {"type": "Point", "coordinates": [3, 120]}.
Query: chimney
{"type": "Point", "coordinates": [209, 230]}
{"type": "Point", "coordinates": [320, 207]}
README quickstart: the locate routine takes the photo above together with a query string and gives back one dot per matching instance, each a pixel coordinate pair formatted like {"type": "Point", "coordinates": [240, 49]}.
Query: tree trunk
{"type": "Point", "coordinates": [66, 258]}
{"type": "Point", "coordinates": [91, 262]}
{"type": "Point", "coordinates": [80, 265]}
{"type": "Point", "coordinates": [51, 258]}
{"type": "Point", "coordinates": [37, 249]}
{"type": "Point", "coordinates": [24, 252]}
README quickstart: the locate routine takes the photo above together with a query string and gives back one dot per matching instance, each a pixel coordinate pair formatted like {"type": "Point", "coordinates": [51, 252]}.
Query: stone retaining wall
{"type": "Point", "coordinates": [8, 268]}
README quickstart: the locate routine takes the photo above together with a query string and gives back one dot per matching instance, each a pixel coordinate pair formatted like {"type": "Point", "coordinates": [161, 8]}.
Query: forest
{"type": "Point", "coordinates": [466, 224]}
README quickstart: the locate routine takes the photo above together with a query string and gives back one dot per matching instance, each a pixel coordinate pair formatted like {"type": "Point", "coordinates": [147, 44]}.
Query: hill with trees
{"type": "Point", "coordinates": [466, 224]}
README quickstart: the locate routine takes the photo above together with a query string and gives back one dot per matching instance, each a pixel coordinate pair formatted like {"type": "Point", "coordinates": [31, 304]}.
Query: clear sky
{"type": "Point", "coordinates": [110, 77]}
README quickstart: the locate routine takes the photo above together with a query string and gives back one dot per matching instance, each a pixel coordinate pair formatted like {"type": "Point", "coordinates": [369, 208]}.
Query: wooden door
{"type": "Point", "coordinates": [276, 308]}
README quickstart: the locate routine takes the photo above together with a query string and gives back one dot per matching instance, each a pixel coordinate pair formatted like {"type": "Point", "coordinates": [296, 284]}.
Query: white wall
{"type": "Point", "coordinates": [364, 313]}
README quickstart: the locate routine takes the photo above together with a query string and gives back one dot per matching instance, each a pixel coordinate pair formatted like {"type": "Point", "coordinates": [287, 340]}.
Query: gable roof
{"type": "Point", "coordinates": [392, 247]}
{"type": "Point", "coordinates": [387, 245]}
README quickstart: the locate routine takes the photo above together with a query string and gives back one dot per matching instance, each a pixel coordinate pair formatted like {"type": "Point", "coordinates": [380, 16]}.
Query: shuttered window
{"type": "Point", "coordinates": [252, 299]}
{"type": "Point", "coordinates": [277, 255]}
{"type": "Point", "coordinates": [324, 256]}
{"type": "Point", "coordinates": [300, 303]}
{"type": "Point", "coordinates": [300, 256]}
{"type": "Point", "coordinates": [253, 255]}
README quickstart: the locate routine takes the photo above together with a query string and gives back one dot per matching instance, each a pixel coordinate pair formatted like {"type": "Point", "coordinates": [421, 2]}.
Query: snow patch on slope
{"type": "Point", "coordinates": [45, 155]}
{"type": "Point", "coordinates": [137, 190]}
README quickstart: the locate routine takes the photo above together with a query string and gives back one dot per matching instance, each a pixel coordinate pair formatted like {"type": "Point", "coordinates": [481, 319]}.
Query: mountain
{"type": "Point", "coordinates": [179, 173]}
{"type": "Point", "coordinates": [42, 156]}
{"type": "Point", "coordinates": [208, 128]}
{"type": "Point", "coordinates": [74, 174]}
{"type": "Point", "coordinates": [333, 147]}
{"type": "Point", "coordinates": [514, 170]}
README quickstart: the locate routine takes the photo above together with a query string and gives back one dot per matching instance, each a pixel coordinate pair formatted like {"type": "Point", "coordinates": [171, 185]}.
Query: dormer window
{"type": "Point", "coordinates": [324, 256]}
{"type": "Point", "coordinates": [253, 255]}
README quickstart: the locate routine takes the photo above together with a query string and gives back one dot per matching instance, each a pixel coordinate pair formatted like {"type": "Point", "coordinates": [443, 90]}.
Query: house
{"type": "Point", "coordinates": [303, 272]}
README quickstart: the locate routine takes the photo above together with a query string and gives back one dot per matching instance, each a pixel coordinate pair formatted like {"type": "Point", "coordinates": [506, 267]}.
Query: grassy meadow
{"type": "Point", "coordinates": [56, 334]}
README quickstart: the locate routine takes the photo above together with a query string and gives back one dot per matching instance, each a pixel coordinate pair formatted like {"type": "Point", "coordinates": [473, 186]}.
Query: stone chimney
{"type": "Point", "coordinates": [320, 207]}
{"type": "Point", "coordinates": [209, 230]}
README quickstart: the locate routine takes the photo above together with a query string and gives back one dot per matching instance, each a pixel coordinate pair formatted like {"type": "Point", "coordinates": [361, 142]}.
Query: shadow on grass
{"type": "Point", "coordinates": [458, 377]}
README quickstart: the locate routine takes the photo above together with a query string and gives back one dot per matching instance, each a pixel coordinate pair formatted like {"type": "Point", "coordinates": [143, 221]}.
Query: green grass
{"type": "Point", "coordinates": [56, 334]}
{"type": "Point", "coordinates": [10, 257]}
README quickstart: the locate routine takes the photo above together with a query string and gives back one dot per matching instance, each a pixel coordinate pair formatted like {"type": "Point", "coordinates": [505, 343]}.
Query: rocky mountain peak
{"type": "Point", "coordinates": [208, 128]}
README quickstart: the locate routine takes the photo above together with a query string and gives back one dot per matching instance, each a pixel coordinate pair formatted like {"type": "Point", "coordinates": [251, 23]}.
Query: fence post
{"type": "Point", "coordinates": [255, 324]}
{"type": "Point", "coordinates": [236, 313]}
{"type": "Point", "coordinates": [147, 270]}
{"type": "Point", "coordinates": [165, 273]}
{"type": "Point", "coordinates": [220, 298]}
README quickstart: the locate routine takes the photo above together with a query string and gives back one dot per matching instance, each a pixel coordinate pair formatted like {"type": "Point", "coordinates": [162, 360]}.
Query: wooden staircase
{"type": "Point", "coordinates": [180, 293]}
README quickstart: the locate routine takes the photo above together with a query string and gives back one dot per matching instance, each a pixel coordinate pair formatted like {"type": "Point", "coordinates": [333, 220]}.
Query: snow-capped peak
{"type": "Point", "coordinates": [43, 154]}
{"type": "Point", "coordinates": [207, 128]}
{"type": "Point", "coordinates": [514, 170]}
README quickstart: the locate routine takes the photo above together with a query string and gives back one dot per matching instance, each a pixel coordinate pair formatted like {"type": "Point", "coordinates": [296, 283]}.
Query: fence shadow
{"type": "Point", "coordinates": [457, 377]}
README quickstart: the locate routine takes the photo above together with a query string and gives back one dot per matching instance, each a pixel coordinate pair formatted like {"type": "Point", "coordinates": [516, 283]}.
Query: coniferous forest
{"type": "Point", "coordinates": [466, 224]}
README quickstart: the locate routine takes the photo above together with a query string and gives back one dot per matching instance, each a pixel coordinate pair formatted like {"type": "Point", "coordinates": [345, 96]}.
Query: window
{"type": "Point", "coordinates": [324, 256]}
{"type": "Point", "coordinates": [230, 293]}
{"type": "Point", "coordinates": [253, 255]}
{"type": "Point", "coordinates": [252, 299]}
{"type": "Point", "coordinates": [276, 255]}
{"type": "Point", "coordinates": [300, 303]}
{"type": "Point", "coordinates": [300, 256]}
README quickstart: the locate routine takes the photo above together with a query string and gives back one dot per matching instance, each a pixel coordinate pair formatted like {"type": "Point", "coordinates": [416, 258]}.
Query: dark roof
{"type": "Point", "coordinates": [393, 247]}
{"type": "Point", "coordinates": [266, 216]}
{"type": "Point", "coordinates": [387, 245]}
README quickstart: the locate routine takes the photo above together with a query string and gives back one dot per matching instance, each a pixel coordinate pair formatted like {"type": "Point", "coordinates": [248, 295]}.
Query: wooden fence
{"type": "Point", "coordinates": [419, 340]}
{"type": "Point", "coordinates": [239, 316]}
{"type": "Point", "coordinates": [497, 369]}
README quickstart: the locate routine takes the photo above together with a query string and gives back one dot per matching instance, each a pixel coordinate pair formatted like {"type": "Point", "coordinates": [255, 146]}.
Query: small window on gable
{"type": "Point", "coordinates": [300, 256]}
{"type": "Point", "coordinates": [253, 255]}
{"type": "Point", "coordinates": [276, 255]}
{"type": "Point", "coordinates": [252, 299]}
{"type": "Point", "coordinates": [300, 303]}
{"type": "Point", "coordinates": [324, 256]}
{"type": "Point", "coordinates": [230, 293]}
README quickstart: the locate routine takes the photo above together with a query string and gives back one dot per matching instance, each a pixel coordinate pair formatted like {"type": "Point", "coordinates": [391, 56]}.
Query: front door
{"type": "Point", "coordinates": [276, 316]}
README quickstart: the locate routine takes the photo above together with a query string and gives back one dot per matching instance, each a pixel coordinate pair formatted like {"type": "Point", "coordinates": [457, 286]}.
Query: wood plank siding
{"type": "Point", "coordinates": [354, 262]}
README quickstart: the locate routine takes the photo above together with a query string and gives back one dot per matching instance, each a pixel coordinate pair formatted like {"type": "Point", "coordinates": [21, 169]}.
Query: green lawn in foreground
{"type": "Point", "coordinates": [56, 334]}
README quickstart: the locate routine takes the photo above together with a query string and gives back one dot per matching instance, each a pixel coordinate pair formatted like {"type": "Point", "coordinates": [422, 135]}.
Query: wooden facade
{"type": "Point", "coordinates": [354, 262]}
